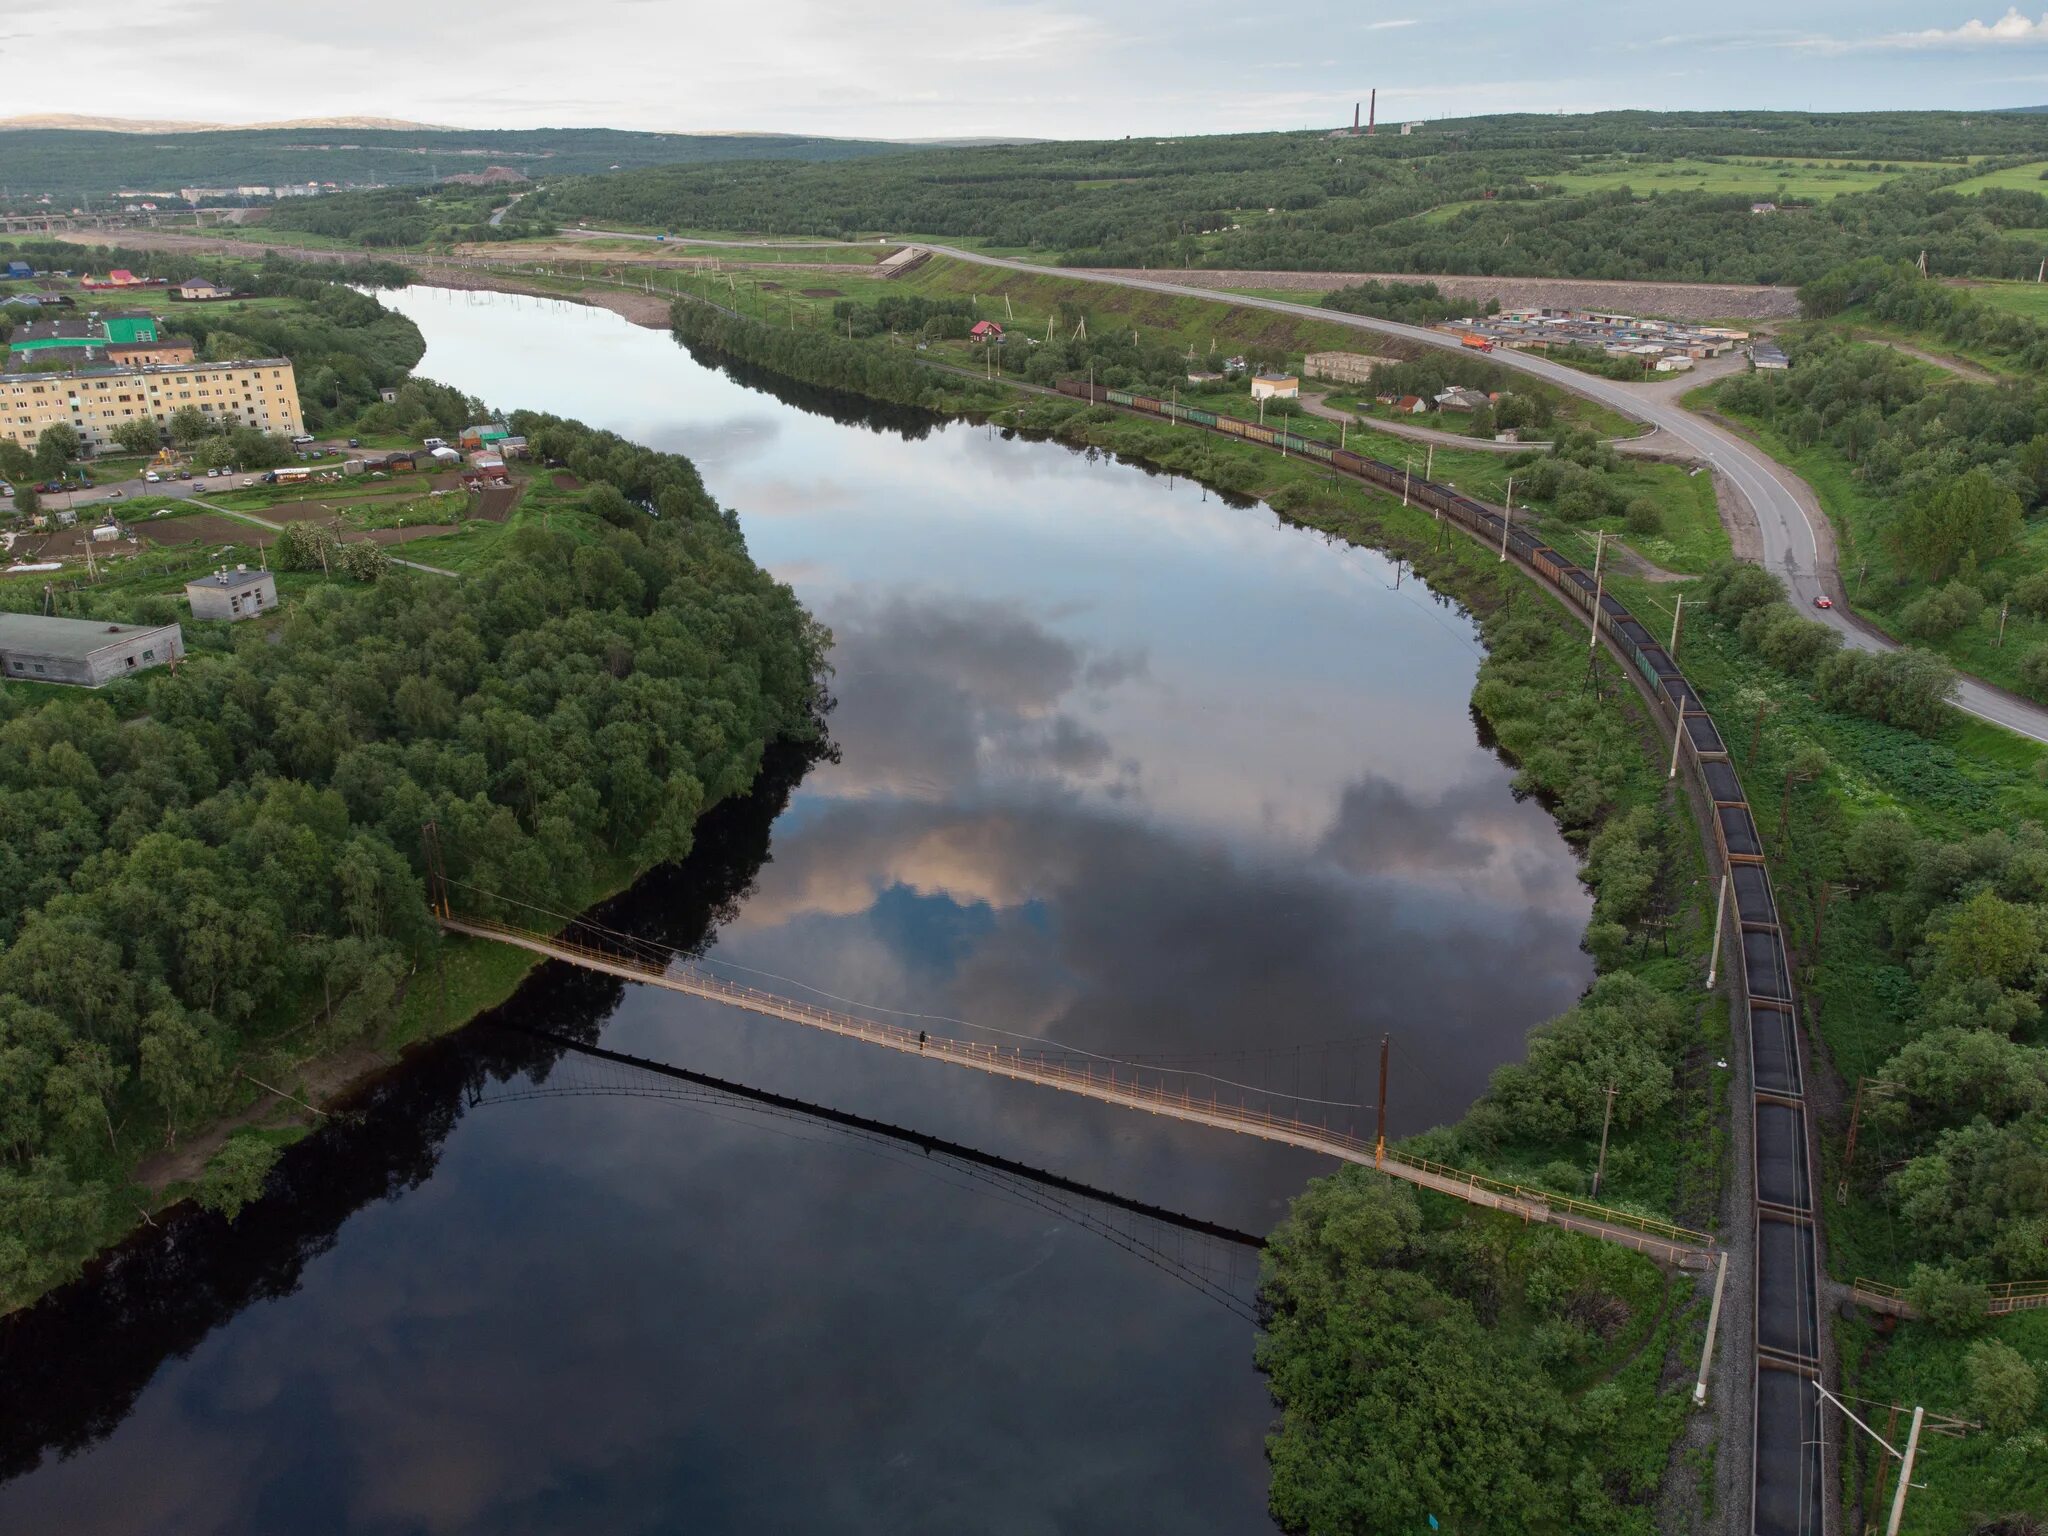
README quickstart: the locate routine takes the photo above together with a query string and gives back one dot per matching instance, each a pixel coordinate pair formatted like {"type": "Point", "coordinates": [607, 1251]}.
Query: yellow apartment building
{"type": "Point", "coordinates": [260, 393]}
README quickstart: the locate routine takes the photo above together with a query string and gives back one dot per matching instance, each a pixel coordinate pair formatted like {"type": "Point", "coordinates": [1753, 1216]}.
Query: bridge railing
{"type": "Point", "coordinates": [1183, 1102]}
{"type": "Point", "coordinates": [1999, 1299]}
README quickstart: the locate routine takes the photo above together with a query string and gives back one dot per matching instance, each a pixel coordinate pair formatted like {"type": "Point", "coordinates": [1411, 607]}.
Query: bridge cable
{"type": "Point", "coordinates": [644, 947]}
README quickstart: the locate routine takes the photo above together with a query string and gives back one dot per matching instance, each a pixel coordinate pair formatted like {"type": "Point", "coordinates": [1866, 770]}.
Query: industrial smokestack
{"type": "Point", "coordinates": [1354, 117]}
{"type": "Point", "coordinates": [1372, 116]}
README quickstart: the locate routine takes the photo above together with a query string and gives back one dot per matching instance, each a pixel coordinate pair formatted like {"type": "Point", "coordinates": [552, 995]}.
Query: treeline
{"type": "Point", "coordinates": [904, 314]}
{"type": "Point", "coordinates": [1895, 292]}
{"type": "Point", "coordinates": [195, 864]}
{"type": "Point", "coordinates": [830, 362]}
{"type": "Point", "coordinates": [1414, 303]}
{"type": "Point", "coordinates": [402, 216]}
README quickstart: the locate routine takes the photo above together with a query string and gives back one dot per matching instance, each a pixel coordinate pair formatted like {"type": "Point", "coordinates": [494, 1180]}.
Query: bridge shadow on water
{"type": "Point", "coordinates": [73, 1367]}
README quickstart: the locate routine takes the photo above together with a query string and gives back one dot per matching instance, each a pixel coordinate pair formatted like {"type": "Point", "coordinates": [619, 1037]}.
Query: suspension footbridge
{"type": "Point", "coordinates": [1132, 1087]}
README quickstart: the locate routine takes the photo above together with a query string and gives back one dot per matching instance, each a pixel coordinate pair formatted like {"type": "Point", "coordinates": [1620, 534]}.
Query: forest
{"type": "Point", "coordinates": [1476, 195]}
{"type": "Point", "coordinates": [395, 216]}
{"type": "Point", "coordinates": [196, 863]}
{"type": "Point", "coordinates": [71, 160]}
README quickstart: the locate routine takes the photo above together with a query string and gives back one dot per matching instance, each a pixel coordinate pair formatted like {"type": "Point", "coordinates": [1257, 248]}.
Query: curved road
{"type": "Point", "coordinates": [1792, 535]}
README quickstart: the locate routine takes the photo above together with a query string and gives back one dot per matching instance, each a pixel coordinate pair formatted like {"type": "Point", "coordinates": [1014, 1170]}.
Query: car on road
{"type": "Point", "coordinates": [300, 440]}
{"type": "Point", "coordinates": [1823, 601]}
{"type": "Point", "coordinates": [355, 442]}
{"type": "Point", "coordinates": [151, 477]}
{"type": "Point", "coordinates": [6, 490]}
{"type": "Point", "coordinates": [248, 479]}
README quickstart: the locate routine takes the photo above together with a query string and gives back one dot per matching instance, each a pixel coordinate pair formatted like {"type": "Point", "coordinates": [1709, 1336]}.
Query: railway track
{"type": "Point", "coordinates": [1789, 1458]}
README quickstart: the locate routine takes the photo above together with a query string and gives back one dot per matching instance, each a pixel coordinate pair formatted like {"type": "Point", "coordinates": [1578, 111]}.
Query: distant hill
{"type": "Point", "coordinates": [150, 125]}
{"type": "Point", "coordinates": [71, 159]}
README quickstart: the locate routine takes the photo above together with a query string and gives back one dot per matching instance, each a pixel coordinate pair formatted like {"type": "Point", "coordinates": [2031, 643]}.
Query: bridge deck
{"type": "Point", "coordinates": [1661, 1240]}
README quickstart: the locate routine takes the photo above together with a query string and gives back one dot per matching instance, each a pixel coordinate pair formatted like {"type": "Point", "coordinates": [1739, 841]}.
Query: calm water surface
{"type": "Point", "coordinates": [1121, 765]}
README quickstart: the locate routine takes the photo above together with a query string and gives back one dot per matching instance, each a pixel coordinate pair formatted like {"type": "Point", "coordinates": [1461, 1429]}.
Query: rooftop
{"type": "Point", "coordinates": [233, 581]}
{"type": "Point", "coordinates": [126, 369]}
{"type": "Point", "coordinates": [74, 638]}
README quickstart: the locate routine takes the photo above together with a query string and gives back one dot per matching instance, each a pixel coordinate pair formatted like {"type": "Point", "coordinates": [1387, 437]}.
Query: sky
{"type": "Point", "coordinates": [1029, 68]}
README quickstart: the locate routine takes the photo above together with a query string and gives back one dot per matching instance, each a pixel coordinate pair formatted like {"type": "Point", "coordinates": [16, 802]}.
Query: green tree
{"type": "Point", "coordinates": [56, 448]}
{"type": "Point", "coordinates": [189, 426]}
{"type": "Point", "coordinates": [182, 1064]}
{"type": "Point", "coordinates": [235, 1176]}
{"type": "Point", "coordinates": [28, 501]}
{"type": "Point", "coordinates": [138, 434]}
{"type": "Point", "coordinates": [1969, 515]}
{"type": "Point", "coordinates": [2004, 1388]}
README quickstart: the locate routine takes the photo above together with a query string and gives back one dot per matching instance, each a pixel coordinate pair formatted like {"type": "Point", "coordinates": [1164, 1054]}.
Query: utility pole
{"type": "Point", "coordinates": [1379, 1146]}
{"type": "Point", "coordinates": [1605, 1121]}
{"type": "Point", "coordinates": [1677, 614]}
{"type": "Point", "coordinates": [1699, 1388]}
{"type": "Point", "coordinates": [1407, 466]}
{"type": "Point", "coordinates": [1714, 955]}
{"type": "Point", "coordinates": [1593, 618]}
{"type": "Point", "coordinates": [1506, 522]}
{"type": "Point", "coordinates": [2003, 608]}
{"type": "Point", "coordinates": [1677, 736]}
{"type": "Point", "coordinates": [1429, 464]}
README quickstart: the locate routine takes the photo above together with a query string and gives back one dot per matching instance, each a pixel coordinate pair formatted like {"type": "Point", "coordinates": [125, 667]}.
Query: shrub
{"type": "Point", "coordinates": [1942, 611]}
{"type": "Point", "coordinates": [2030, 594]}
{"type": "Point", "coordinates": [1906, 688]}
{"type": "Point", "coordinates": [2034, 671]}
{"type": "Point", "coordinates": [1796, 645]}
{"type": "Point", "coordinates": [1644, 519]}
{"type": "Point", "coordinates": [2004, 1388]}
{"type": "Point", "coordinates": [236, 1175]}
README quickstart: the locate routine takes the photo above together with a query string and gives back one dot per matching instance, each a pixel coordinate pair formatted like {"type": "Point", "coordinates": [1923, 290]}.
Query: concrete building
{"type": "Point", "coordinates": [157, 353]}
{"type": "Point", "coordinates": [1275, 386]}
{"type": "Point", "coordinates": [237, 594]}
{"type": "Point", "coordinates": [1768, 355]}
{"type": "Point", "coordinates": [261, 393]}
{"type": "Point", "coordinates": [82, 652]}
{"type": "Point", "coordinates": [1342, 367]}
{"type": "Point", "coordinates": [202, 288]}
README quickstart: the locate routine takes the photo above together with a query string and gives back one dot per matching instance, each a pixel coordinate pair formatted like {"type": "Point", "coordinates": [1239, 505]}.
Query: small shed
{"type": "Point", "coordinates": [19, 269]}
{"type": "Point", "coordinates": [202, 288]}
{"type": "Point", "coordinates": [1275, 386]}
{"type": "Point", "coordinates": [232, 594]}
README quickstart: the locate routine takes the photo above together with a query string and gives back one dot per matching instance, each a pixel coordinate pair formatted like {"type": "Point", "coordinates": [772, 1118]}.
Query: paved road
{"type": "Point", "coordinates": [1798, 545]}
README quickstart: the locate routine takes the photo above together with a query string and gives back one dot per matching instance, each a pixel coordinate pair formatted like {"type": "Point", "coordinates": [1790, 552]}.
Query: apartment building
{"type": "Point", "coordinates": [260, 393]}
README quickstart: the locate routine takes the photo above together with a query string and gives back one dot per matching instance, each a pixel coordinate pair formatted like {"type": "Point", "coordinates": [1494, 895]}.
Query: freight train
{"type": "Point", "coordinates": [1788, 1497]}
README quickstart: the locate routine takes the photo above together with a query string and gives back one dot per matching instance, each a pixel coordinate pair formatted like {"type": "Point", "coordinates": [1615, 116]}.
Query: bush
{"type": "Point", "coordinates": [1794, 644]}
{"type": "Point", "coordinates": [236, 1175]}
{"type": "Point", "coordinates": [1906, 688]}
{"type": "Point", "coordinates": [1948, 1302]}
{"type": "Point", "coordinates": [1644, 519]}
{"type": "Point", "coordinates": [2030, 594]}
{"type": "Point", "coordinates": [1942, 611]}
{"type": "Point", "coordinates": [2034, 672]}
{"type": "Point", "coordinates": [2004, 1388]}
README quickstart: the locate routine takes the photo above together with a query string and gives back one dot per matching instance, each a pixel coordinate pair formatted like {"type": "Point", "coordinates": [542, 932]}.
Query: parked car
{"type": "Point", "coordinates": [151, 477]}
{"type": "Point", "coordinates": [184, 474]}
{"type": "Point", "coordinates": [355, 442]}
{"type": "Point", "coordinates": [248, 479]}
{"type": "Point", "coordinates": [213, 474]}
{"type": "Point", "coordinates": [6, 490]}
{"type": "Point", "coordinates": [301, 439]}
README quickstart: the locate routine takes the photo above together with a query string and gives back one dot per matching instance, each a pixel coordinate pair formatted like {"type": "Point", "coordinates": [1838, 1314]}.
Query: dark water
{"type": "Point", "coordinates": [1121, 765]}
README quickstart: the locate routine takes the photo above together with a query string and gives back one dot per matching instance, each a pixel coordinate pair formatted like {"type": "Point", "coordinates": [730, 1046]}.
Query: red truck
{"type": "Point", "coordinates": [1478, 343]}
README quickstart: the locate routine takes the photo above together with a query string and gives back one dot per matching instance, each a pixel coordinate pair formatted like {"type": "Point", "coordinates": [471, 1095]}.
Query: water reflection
{"type": "Point", "coordinates": [1120, 764]}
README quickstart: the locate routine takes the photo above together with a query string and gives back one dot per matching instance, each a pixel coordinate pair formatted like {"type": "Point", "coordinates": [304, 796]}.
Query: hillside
{"type": "Point", "coordinates": [162, 157]}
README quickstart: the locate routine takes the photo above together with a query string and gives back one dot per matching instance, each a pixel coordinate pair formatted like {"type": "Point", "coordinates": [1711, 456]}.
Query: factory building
{"type": "Point", "coordinates": [82, 652]}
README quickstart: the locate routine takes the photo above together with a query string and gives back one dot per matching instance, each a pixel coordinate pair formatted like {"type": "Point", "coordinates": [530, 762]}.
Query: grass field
{"type": "Point", "coordinates": [2029, 299]}
{"type": "Point", "coordinates": [2017, 178]}
{"type": "Point", "coordinates": [1797, 180]}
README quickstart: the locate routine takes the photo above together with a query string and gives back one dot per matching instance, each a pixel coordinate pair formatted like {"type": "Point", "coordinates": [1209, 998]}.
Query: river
{"type": "Point", "coordinates": [1119, 764]}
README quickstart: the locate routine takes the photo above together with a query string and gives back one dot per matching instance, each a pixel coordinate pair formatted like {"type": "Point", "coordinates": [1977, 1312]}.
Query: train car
{"type": "Point", "coordinates": [1551, 563]}
{"type": "Point", "coordinates": [1779, 1143]}
{"type": "Point", "coordinates": [1201, 418]}
{"type": "Point", "coordinates": [1774, 1050]}
{"type": "Point", "coordinates": [1312, 449]}
{"type": "Point", "coordinates": [1736, 830]}
{"type": "Point", "coordinates": [1259, 434]}
{"type": "Point", "coordinates": [1147, 403]}
{"type": "Point", "coordinates": [1763, 964]}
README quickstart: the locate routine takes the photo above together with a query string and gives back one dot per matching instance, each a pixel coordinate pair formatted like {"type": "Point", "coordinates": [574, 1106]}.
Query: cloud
{"type": "Point", "coordinates": [1388, 26]}
{"type": "Point", "coordinates": [2013, 29]}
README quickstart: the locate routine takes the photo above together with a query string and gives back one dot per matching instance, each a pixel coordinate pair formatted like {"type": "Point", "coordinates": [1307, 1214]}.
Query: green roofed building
{"type": "Point", "coordinates": [130, 327]}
